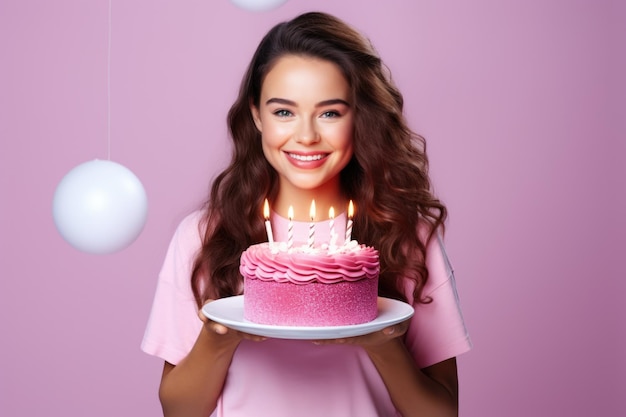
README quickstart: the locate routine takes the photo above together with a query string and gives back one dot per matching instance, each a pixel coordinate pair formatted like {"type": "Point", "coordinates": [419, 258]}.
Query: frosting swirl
{"type": "Point", "coordinates": [304, 265]}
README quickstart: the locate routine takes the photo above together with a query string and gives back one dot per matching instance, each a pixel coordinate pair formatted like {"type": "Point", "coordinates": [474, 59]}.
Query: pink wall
{"type": "Point", "coordinates": [523, 103]}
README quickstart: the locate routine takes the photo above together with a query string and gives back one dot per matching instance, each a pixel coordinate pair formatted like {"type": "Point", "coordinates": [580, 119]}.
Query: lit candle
{"type": "Point", "coordinates": [290, 228]}
{"type": "Point", "coordinates": [349, 226]}
{"type": "Point", "coordinates": [268, 225]}
{"type": "Point", "coordinates": [331, 216]}
{"type": "Point", "coordinates": [312, 225]}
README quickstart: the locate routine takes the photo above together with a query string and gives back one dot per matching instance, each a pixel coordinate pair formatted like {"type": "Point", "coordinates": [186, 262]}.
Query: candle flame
{"type": "Point", "coordinates": [266, 210]}
{"type": "Point", "coordinates": [312, 211]}
{"type": "Point", "coordinates": [290, 213]}
{"type": "Point", "coordinates": [350, 210]}
{"type": "Point", "coordinates": [331, 213]}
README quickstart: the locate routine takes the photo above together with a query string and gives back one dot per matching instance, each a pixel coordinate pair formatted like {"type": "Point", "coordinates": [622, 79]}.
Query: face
{"type": "Point", "coordinates": [306, 122]}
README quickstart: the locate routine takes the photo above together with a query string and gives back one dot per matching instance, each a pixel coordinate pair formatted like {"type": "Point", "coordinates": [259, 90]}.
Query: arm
{"type": "Point", "coordinates": [432, 391]}
{"type": "Point", "coordinates": [193, 387]}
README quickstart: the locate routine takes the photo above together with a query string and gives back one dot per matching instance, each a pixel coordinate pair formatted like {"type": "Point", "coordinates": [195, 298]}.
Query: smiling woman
{"type": "Point", "coordinates": [306, 125]}
{"type": "Point", "coordinates": [317, 118]}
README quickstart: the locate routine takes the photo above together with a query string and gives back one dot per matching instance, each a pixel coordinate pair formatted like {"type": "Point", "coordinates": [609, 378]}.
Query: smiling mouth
{"type": "Point", "coordinates": [306, 158]}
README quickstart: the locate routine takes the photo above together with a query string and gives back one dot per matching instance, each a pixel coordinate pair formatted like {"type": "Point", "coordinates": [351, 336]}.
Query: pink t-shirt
{"type": "Point", "coordinates": [294, 377]}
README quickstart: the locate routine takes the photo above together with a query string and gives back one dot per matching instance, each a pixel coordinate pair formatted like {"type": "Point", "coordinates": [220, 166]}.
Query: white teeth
{"type": "Point", "coordinates": [306, 158]}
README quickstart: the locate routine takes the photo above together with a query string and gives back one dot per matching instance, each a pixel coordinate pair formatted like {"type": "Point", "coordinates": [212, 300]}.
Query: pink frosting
{"type": "Point", "coordinates": [303, 265]}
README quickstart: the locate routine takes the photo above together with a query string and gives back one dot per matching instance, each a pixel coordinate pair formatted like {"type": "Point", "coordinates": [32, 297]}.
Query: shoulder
{"type": "Point", "coordinates": [434, 259]}
{"type": "Point", "coordinates": [439, 267]}
{"type": "Point", "coordinates": [191, 228]}
{"type": "Point", "coordinates": [188, 237]}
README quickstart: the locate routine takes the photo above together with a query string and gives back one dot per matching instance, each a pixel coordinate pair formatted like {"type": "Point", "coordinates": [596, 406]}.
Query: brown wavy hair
{"type": "Point", "coordinates": [387, 177]}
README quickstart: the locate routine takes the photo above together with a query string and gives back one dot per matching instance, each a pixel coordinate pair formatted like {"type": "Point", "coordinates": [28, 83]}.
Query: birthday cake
{"type": "Point", "coordinates": [304, 286]}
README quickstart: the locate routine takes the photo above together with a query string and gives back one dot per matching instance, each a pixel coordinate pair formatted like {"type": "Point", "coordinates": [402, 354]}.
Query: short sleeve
{"type": "Point", "coordinates": [174, 325]}
{"type": "Point", "coordinates": [437, 330]}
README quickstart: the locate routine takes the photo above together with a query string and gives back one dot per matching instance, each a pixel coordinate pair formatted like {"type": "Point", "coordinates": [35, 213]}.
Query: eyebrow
{"type": "Point", "coordinates": [320, 104]}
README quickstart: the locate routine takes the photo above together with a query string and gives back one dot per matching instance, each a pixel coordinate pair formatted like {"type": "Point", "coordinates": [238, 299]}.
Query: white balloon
{"type": "Point", "coordinates": [258, 5]}
{"type": "Point", "coordinates": [100, 207]}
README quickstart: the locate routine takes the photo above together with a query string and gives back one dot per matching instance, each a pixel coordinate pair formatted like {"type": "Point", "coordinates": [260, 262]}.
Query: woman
{"type": "Point", "coordinates": [317, 117]}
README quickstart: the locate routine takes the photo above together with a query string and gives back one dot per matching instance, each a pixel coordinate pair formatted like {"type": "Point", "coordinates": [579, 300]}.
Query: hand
{"type": "Point", "coordinates": [371, 341]}
{"type": "Point", "coordinates": [225, 334]}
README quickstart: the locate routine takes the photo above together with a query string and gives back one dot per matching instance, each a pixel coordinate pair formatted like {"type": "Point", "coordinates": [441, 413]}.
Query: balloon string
{"type": "Point", "coordinates": [109, 88]}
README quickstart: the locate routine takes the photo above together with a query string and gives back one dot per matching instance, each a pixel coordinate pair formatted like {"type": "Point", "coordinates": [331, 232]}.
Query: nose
{"type": "Point", "coordinates": [307, 133]}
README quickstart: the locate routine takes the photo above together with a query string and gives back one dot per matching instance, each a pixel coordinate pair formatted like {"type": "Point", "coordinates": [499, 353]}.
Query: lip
{"type": "Point", "coordinates": [306, 160]}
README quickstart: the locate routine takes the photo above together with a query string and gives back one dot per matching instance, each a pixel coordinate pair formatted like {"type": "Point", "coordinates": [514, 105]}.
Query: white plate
{"type": "Point", "coordinates": [229, 312]}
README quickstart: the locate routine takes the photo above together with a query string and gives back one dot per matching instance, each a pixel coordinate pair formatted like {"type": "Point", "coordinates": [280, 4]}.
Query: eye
{"type": "Point", "coordinates": [282, 113]}
{"type": "Point", "coordinates": [330, 114]}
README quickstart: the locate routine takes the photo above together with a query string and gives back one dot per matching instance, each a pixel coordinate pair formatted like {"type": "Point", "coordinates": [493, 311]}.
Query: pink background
{"type": "Point", "coordinates": [523, 104]}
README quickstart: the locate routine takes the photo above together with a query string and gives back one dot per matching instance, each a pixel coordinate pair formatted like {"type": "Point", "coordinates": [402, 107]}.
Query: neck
{"type": "Point", "coordinates": [300, 200]}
